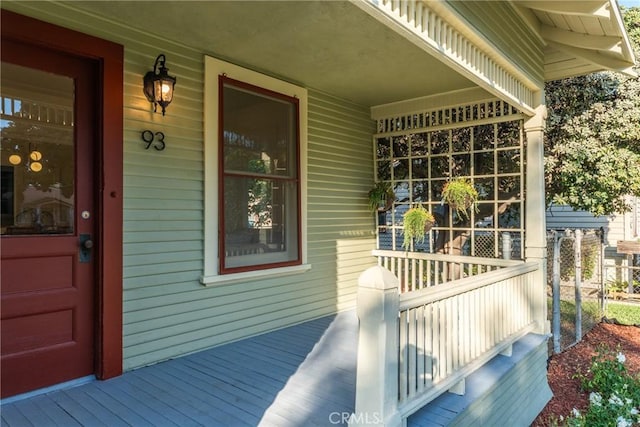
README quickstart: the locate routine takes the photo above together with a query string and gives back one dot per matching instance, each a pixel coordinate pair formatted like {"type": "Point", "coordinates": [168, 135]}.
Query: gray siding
{"type": "Point", "coordinates": [501, 24]}
{"type": "Point", "coordinates": [563, 217]}
{"type": "Point", "coordinates": [167, 312]}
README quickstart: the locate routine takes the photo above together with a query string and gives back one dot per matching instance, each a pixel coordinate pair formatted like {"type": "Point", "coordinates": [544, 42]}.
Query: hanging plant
{"type": "Point", "coordinates": [416, 223]}
{"type": "Point", "coordinates": [381, 196]}
{"type": "Point", "coordinates": [460, 195]}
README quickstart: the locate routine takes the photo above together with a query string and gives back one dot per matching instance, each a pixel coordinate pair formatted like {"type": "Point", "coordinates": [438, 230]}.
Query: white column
{"type": "Point", "coordinates": [378, 341]}
{"type": "Point", "coordinates": [535, 222]}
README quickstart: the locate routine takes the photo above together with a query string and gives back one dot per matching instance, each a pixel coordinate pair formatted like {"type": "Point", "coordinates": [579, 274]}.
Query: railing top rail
{"type": "Point", "coordinates": [446, 258]}
{"type": "Point", "coordinates": [424, 296]}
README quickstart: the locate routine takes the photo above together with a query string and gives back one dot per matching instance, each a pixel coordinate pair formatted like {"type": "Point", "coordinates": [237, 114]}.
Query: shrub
{"type": "Point", "coordinates": [614, 398]}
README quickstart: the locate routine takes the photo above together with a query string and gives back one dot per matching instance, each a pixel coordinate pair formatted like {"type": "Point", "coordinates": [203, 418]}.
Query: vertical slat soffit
{"type": "Point", "coordinates": [424, 24]}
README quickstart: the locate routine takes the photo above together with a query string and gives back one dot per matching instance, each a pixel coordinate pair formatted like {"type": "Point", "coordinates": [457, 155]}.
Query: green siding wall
{"type": "Point", "coordinates": [501, 24]}
{"type": "Point", "coordinates": [167, 312]}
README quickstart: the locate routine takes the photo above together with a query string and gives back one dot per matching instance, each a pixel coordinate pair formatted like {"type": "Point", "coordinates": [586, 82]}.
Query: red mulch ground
{"type": "Point", "coordinates": [566, 390]}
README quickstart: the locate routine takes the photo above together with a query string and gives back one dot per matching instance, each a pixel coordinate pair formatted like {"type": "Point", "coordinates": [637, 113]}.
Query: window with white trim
{"type": "Point", "coordinates": [255, 138]}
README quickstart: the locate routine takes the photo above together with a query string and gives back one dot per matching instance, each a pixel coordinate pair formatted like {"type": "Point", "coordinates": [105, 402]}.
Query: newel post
{"type": "Point", "coordinates": [378, 341]}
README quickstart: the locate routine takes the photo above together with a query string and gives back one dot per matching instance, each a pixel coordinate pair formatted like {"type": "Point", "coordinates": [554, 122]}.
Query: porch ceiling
{"type": "Point", "coordinates": [333, 46]}
{"type": "Point", "coordinates": [580, 37]}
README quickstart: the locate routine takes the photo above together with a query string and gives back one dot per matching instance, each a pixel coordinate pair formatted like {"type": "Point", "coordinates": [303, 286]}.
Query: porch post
{"type": "Point", "coordinates": [378, 341]}
{"type": "Point", "coordinates": [535, 222]}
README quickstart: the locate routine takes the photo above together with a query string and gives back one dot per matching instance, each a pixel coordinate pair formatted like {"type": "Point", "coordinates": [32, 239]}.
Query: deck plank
{"type": "Point", "coordinates": [36, 416]}
{"type": "Point", "coordinates": [12, 416]}
{"type": "Point", "coordinates": [59, 416]}
{"type": "Point", "coordinates": [156, 402]}
{"type": "Point", "coordinates": [187, 404]}
{"type": "Point", "coordinates": [76, 410]}
{"type": "Point", "coordinates": [213, 404]}
{"type": "Point", "coordinates": [292, 377]}
{"type": "Point", "coordinates": [149, 409]}
{"type": "Point", "coordinates": [126, 413]}
{"type": "Point", "coordinates": [232, 394]}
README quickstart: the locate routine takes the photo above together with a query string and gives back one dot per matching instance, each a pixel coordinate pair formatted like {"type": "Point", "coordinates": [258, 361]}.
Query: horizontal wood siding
{"type": "Point", "coordinates": [340, 168]}
{"type": "Point", "coordinates": [501, 24]}
{"type": "Point", "coordinates": [563, 217]}
{"type": "Point", "coordinates": [167, 312]}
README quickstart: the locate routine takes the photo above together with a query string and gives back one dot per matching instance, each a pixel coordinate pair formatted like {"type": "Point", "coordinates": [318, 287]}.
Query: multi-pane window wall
{"type": "Point", "coordinates": [420, 153]}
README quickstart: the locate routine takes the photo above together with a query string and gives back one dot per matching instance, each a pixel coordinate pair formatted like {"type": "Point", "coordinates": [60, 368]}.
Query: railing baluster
{"type": "Point", "coordinates": [413, 351]}
{"type": "Point", "coordinates": [428, 344]}
{"type": "Point", "coordinates": [420, 348]}
{"type": "Point", "coordinates": [438, 327]}
{"type": "Point", "coordinates": [402, 382]}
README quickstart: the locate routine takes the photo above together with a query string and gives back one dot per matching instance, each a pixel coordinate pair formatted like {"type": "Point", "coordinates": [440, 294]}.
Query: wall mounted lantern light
{"type": "Point", "coordinates": [158, 85]}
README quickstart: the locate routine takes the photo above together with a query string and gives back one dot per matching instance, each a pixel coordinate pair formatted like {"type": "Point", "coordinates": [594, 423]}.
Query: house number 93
{"type": "Point", "coordinates": [153, 139]}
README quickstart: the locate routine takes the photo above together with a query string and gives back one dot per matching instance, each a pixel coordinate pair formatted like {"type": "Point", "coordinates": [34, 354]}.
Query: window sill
{"type": "Point", "coordinates": [226, 279]}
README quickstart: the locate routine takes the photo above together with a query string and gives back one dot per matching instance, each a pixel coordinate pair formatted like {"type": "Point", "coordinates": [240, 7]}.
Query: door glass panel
{"type": "Point", "coordinates": [37, 151]}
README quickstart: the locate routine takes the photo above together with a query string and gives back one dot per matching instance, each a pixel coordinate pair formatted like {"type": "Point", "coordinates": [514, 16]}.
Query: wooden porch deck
{"type": "Point", "coordinates": [303, 375]}
{"type": "Point", "coordinates": [297, 376]}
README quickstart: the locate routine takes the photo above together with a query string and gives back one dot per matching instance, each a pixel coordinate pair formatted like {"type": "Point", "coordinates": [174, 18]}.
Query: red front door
{"type": "Point", "coordinates": [48, 217]}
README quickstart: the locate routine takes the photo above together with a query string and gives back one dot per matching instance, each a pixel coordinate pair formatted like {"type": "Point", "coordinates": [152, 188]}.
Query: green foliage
{"type": "Point", "coordinates": [460, 195]}
{"type": "Point", "coordinates": [592, 143]}
{"type": "Point", "coordinates": [415, 223]}
{"type": "Point", "coordinates": [614, 398]}
{"type": "Point", "coordinates": [381, 195]}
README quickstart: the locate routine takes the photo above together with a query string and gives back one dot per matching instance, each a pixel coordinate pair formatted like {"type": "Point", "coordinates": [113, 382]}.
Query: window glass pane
{"type": "Point", "coordinates": [508, 161]}
{"type": "Point", "coordinates": [420, 191]}
{"type": "Point", "coordinates": [420, 145]}
{"type": "Point", "coordinates": [37, 146]}
{"type": "Point", "coordinates": [510, 218]}
{"type": "Point", "coordinates": [401, 169]}
{"type": "Point", "coordinates": [383, 148]}
{"type": "Point", "coordinates": [461, 164]}
{"type": "Point", "coordinates": [420, 168]}
{"type": "Point", "coordinates": [508, 134]}
{"type": "Point", "coordinates": [260, 211]}
{"type": "Point", "coordinates": [260, 221]}
{"type": "Point", "coordinates": [384, 170]}
{"type": "Point", "coordinates": [260, 133]}
{"type": "Point", "coordinates": [483, 163]}
{"type": "Point", "coordinates": [461, 139]}
{"type": "Point", "coordinates": [484, 137]}
{"type": "Point", "coordinates": [400, 146]}
{"type": "Point", "coordinates": [439, 142]}
{"type": "Point", "coordinates": [402, 191]}
{"type": "Point", "coordinates": [485, 188]}
{"type": "Point", "coordinates": [439, 167]}
{"type": "Point", "coordinates": [509, 188]}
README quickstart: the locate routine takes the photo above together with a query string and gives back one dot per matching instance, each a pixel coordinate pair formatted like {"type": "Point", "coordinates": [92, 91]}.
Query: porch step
{"type": "Point", "coordinates": [508, 391]}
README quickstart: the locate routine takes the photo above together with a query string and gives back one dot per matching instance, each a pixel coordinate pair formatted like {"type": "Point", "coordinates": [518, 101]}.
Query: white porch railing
{"type": "Point", "coordinates": [419, 270]}
{"type": "Point", "coordinates": [416, 345]}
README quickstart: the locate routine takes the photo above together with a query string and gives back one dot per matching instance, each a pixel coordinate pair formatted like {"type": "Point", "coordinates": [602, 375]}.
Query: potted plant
{"type": "Point", "coordinates": [416, 223]}
{"type": "Point", "coordinates": [381, 196]}
{"type": "Point", "coordinates": [460, 195]}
